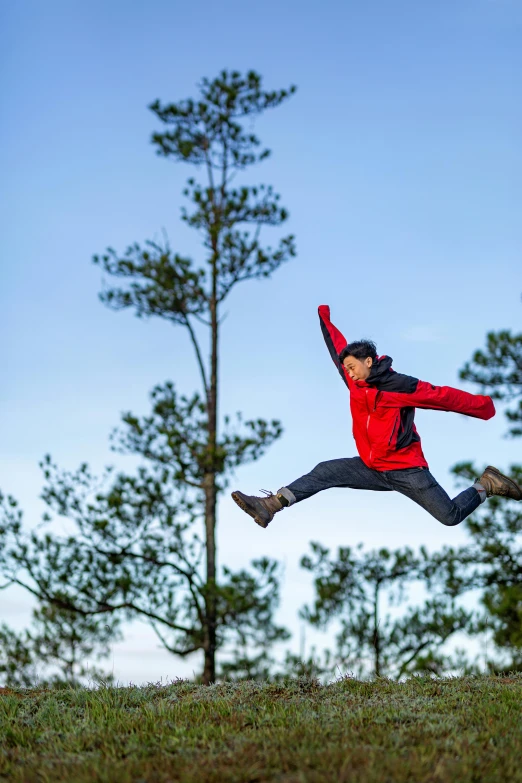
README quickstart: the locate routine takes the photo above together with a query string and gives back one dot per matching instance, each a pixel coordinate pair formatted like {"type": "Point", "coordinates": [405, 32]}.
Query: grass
{"type": "Point", "coordinates": [457, 730]}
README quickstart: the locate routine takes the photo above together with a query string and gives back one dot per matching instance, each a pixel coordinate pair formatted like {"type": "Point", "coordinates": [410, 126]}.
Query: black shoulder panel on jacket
{"type": "Point", "coordinates": [395, 382]}
{"type": "Point", "coordinates": [382, 377]}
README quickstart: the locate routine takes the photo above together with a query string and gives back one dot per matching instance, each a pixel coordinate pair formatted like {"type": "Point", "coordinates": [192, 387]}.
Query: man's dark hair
{"type": "Point", "coordinates": [360, 349]}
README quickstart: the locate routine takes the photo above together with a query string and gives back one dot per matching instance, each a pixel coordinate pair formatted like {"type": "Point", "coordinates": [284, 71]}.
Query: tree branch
{"type": "Point", "coordinates": [412, 657]}
{"type": "Point", "coordinates": [144, 558]}
{"type": "Point", "coordinates": [198, 353]}
{"type": "Point", "coordinates": [106, 609]}
{"type": "Point", "coordinates": [175, 650]}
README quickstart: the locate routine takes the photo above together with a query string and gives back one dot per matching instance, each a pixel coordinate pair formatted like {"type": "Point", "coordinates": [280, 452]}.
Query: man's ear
{"type": "Point", "coordinates": [369, 361]}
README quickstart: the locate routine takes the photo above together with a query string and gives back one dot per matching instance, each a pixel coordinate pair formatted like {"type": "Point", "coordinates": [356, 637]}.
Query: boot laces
{"type": "Point", "coordinates": [267, 493]}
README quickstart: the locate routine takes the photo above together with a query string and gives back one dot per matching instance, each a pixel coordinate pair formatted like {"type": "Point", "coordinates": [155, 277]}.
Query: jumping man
{"type": "Point", "coordinates": [382, 404]}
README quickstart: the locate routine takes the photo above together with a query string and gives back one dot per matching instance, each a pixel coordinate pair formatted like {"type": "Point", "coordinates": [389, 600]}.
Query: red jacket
{"type": "Point", "coordinates": [383, 407]}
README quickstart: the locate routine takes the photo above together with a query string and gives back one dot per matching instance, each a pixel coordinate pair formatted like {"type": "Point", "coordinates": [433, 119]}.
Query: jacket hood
{"type": "Point", "coordinates": [380, 368]}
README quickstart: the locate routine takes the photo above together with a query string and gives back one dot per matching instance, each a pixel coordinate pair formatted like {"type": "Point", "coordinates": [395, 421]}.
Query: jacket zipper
{"type": "Point", "coordinates": [368, 427]}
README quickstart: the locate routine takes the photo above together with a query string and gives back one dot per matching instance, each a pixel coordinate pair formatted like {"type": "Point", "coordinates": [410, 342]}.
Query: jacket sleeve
{"type": "Point", "coordinates": [334, 339]}
{"type": "Point", "coordinates": [440, 398]}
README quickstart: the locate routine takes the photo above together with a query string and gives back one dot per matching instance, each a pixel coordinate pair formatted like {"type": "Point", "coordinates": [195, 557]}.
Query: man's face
{"type": "Point", "coordinates": [358, 369]}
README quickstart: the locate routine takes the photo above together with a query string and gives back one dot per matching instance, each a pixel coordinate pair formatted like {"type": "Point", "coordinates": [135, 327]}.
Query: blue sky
{"type": "Point", "coordinates": [399, 161]}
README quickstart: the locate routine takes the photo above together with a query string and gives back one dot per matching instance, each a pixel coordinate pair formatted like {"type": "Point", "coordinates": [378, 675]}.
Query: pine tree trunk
{"type": "Point", "coordinates": [376, 637]}
{"type": "Point", "coordinates": [209, 672]}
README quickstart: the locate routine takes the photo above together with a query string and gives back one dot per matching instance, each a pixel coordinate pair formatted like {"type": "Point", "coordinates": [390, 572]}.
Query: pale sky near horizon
{"type": "Point", "coordinates": [399, 161]}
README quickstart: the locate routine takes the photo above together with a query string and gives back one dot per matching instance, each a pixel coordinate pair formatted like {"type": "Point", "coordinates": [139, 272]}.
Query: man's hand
{"type": "Point", "coordinates": [324, 310]}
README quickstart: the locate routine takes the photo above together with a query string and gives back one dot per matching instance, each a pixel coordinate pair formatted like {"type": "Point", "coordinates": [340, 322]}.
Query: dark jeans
{"type": "Point", "coordinates": [416, 483]}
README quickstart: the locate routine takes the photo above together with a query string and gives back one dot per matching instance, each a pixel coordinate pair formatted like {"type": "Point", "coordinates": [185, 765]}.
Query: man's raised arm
{"type": "Point", "coordinates": [334, 339]}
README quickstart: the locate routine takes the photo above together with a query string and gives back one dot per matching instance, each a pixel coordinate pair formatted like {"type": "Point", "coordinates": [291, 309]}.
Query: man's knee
{"type": "Point", "coordinates": [450, 518]}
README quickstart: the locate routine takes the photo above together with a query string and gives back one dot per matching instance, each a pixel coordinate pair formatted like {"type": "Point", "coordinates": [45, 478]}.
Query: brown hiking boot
{"type": "Point", "coordinates": [261, 509]}
{"type": "Point", "coordinates": [495, 483]}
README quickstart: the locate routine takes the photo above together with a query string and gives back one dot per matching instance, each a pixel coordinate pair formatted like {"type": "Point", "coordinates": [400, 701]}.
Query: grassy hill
{"type": "Point", "coordinates": [455, 730]}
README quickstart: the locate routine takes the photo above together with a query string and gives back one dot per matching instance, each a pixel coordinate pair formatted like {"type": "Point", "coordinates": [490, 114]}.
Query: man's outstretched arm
{"type": "Point", "coordinates": [334, 339]}
{"type": "Point", "coordinates": [440, 398]}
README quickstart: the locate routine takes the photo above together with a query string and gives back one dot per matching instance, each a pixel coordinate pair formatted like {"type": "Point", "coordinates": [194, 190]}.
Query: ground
{"type": "Point", "coordinates": [424, 730]}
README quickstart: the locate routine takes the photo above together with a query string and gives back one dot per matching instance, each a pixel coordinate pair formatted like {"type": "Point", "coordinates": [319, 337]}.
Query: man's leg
{"type": "Point", "coordinates": [419, 485]}
{"type": "Point", "coordinates": [348, 472]}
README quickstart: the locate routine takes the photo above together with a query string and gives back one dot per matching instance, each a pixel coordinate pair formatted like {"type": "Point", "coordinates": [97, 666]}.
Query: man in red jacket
{"type": "Point", "coordinates": [382, 404]}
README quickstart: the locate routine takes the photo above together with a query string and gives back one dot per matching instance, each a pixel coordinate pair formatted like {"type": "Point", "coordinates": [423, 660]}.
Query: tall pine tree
{"type": "Point", "coordinates": [136, 551]}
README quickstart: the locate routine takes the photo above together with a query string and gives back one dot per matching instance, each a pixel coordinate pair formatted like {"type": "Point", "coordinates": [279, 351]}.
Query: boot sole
{"type": "Point", "coordinates": [243, 506]}
{"type": "Point", "coordinates": [506, 478]}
